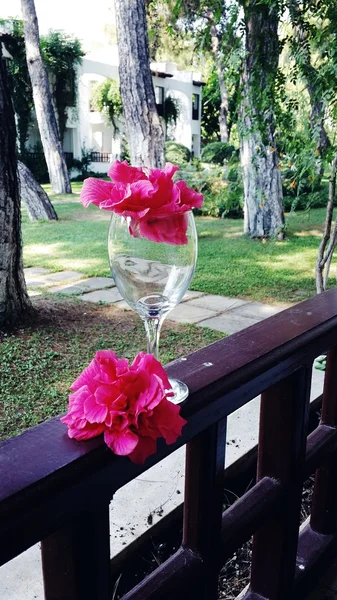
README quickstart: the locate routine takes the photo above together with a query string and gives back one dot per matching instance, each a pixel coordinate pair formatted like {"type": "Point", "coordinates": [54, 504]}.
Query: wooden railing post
{"type": "Point", "coordinates": [205, 459]}
{"type": "Point", "coordinates": [76, 558]}
{"type": "Point", "coordinates": [324, 506]}
{"type": "Point", "coordinates": [282, 441]}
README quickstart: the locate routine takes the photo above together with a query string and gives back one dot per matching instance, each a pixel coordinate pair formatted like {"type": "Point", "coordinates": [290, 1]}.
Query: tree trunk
{"type": "Point", "coordinates": [57, 168]}
{"type": "Point", "coordinates": [310, 76]}
{"type": "Point", "coordinates": [224, 108]}
{"type": "Point", "coordinates": [14, 300]}
{"type": "Point", "coordinates": [261, 176]}
{"type": "Point", "coordinates": [217, 54]}
{"type": "Point", "coordinates": [328, 242]}
{"type": "Point", "coordinates": [34, 197]}
{"type": "Point", "coordinates": [144, 130]}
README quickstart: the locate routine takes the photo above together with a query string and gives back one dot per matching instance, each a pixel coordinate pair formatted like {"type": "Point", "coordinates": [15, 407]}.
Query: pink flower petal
{"type": "Point", "coordinates": [88, 433]}
{"type": "Point", "coordinates": [94, 411]}
{"type": "Point", "coordinates": [121, 444]}
{"type": "Point", "coordinates": [189, 198]}
{"type": "Point", "coordinates": [95, 191]}
{"type": "Point", "coordinates": [171, 229]}
{"type": "Point", "coordinates": [86, 376]}
{"type": "Point", "coordinates": [151, 365]}
{"type": "Point", "coordinates": [145, 447]}
{"type": "Point", "coordinates": [123, 173]}
{"type": "Point", "coordinates": [167, 419]}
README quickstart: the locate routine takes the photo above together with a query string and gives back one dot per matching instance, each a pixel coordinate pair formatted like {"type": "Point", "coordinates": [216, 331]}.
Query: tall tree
{"type": "Point", "coordinates": [262, 181]}
{"type": "Point", "coordinates": [13, 295]}
{"type": "Point", "coordinates": [310, 74]}
{"type": "Point", "coordinates": [19, 81]}
{"type": "Point", "coordinates": [62, 54]}
{"type": "Point", "coordinates": [224, 43]}
{"type": "Point", "coordinates": [144, 130]}
{"type": "Point", "coordinates": [44, 110]}
{"type": "Point", "coordinates": [34, 197]}
{"type": "Point", "coordinates": [214, 26]}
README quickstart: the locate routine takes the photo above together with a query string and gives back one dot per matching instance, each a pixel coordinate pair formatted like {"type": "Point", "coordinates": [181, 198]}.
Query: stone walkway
{"type": "Point", "coordinates": [160, 489]}
{"type": "Point", "coordinates": [206, 310]}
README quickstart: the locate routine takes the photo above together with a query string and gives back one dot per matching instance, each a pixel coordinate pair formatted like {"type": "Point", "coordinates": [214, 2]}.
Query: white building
{"type": "Point", "coordinates": [90, 129]}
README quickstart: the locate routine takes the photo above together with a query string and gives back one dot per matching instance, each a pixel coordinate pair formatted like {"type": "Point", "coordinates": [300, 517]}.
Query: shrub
{"type": "Point", "coordinates": [177, 153]}
{"type": "Point", "coordinates": [217, 152]}
{"type": "Point", "coordinates": [82, 164]}
{"type": "Point", "coordinates": [316, 199]}
{"type": "Point", "coordinates": [222, 189]}
{"type": "Point", "coordinates": [34, 159]}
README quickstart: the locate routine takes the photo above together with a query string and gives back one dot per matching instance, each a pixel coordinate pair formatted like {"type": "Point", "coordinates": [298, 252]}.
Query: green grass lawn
{"type": "Point", "coordinates": [228, 263]}
{"type": "Point", "coordinates": [39, 362]}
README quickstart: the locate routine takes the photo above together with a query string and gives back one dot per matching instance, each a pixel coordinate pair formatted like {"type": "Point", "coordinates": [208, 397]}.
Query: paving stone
{"type": "Point", "coordinates": [63, 276]}
{"type": "Point", "coordinates": [322, 593]}
{"type": "Point", "coordinates": [106, 296]}
{"type": "Point", "coordinates": [256, 310]}
{"type": "Point", "coordinates": [123, 305]}
{"type": "Point", "coordinates": [217, 303]}
{"type": "Point", "coordinates": [33, 283]}
{"type": "Point", "coordinates": [33, 271]}
{"type": "Point", "coordinates": [49, 278]}
{"type": "Point", "coordinates": [85, 285]}
{"type": "Point", "coordinates": [228, 323]}
{"type": "Point", "coordinates": [33, 293]}
{"type": "Point", "coordinates": [329, 579]}
{"type": "Point", "coordinates": [191, 294]}
{"type": "Point", "coordinates": [185, 313]}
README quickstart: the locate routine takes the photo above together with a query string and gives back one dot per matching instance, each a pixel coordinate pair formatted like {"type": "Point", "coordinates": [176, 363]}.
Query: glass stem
{"type": "Point", "coordinates": [152, 328]}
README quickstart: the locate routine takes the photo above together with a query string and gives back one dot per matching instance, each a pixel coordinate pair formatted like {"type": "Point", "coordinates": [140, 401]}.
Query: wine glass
{"type": "Point", "coordinates": [153, 276]}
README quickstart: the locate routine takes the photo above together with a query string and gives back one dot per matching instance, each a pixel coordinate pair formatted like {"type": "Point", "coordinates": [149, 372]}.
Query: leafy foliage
{"type": "Point", "coordinates": [221, 187]}
{"type": "Point", "coordinates": [35, 160]}
{"type": "Point", "coordinates": [83, 164]}
{"type": "Point", "coordinates": [177, 153]}
{"type": "Point", "coordinates": [62, 54]}
{"type": "Point", "coordinates": [171, 110]}
{"type": "Point", "coordinates": [19, 79]}
{"type": "Point", "coordinates": [211, 101]}
{"type": "Point", "coordinates": [217, 152]}
{"type": "Point", "coordinates": [106, 99]}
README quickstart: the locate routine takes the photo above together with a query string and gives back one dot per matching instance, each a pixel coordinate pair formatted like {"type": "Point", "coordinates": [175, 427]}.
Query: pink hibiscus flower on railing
{"type": "Point", "coordinates": [128, 404]}
{"type": "Point", "coordinates": [153, 201]}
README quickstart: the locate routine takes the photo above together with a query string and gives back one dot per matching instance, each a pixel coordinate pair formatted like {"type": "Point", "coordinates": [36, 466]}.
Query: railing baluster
{"type": "Point", "coordinates": [76, 558]}
{"type": "Point", "coordinates": [282, 438]}
{"type": "Point", "coordinates": [205, 458]}
{"type": "Point", "coordinates": [324, 506]}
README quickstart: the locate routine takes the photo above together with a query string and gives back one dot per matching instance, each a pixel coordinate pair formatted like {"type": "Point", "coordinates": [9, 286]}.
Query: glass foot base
{"type": "Point", "coordinates": [180, 391]}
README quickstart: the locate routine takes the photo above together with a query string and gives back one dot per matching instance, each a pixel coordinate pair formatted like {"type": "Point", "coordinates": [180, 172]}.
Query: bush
{"type": "Point", "coordinates": [82, 165]}
{"type": "Point", "coordinates": [217, 152]}
{"type": "Point", "coordinates": [177, 153]}
{"type": "Point", "coordinates": [222, 190]}
{"type": "Point", "coordinates": [96, 174]}
{"type": "Point", "coordinates": [34, 159]}
{"type": "Point", "coordinates": [316, 199]}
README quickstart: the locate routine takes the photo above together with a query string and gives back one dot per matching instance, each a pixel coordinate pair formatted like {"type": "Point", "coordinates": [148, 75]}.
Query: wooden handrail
{"type": "Point", "coordinates": [48, 481]}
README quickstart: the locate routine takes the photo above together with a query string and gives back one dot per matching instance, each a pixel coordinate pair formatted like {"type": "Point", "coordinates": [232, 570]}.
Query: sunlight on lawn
{"type": "Point", "coordinates": [229, 263]}
{"type": "Point", "coordinates": [309, 233]}
{"type": "Point", "coordinates": [34, 250]}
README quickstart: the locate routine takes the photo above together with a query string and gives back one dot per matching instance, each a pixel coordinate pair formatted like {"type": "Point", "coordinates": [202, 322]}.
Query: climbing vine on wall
{"type": "Point", "coordinates": [106, 99]}
{"type": "Point", "coordinates": [62, 55]}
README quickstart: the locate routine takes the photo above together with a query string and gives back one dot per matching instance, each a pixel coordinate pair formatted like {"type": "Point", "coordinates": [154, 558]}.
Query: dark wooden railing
{"type": "Point", "coordinates": [68, 156]}
{"type": "Point", "coordinates": [57, 490]}
{"type": "Point", "coordinates": [101, 157]}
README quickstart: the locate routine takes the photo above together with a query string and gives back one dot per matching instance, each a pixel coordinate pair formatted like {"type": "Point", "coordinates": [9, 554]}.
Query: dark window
{"type": "Point", "coordinates": [159, 93]}
{"type": "Point", "coordinates": [195, 107]}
